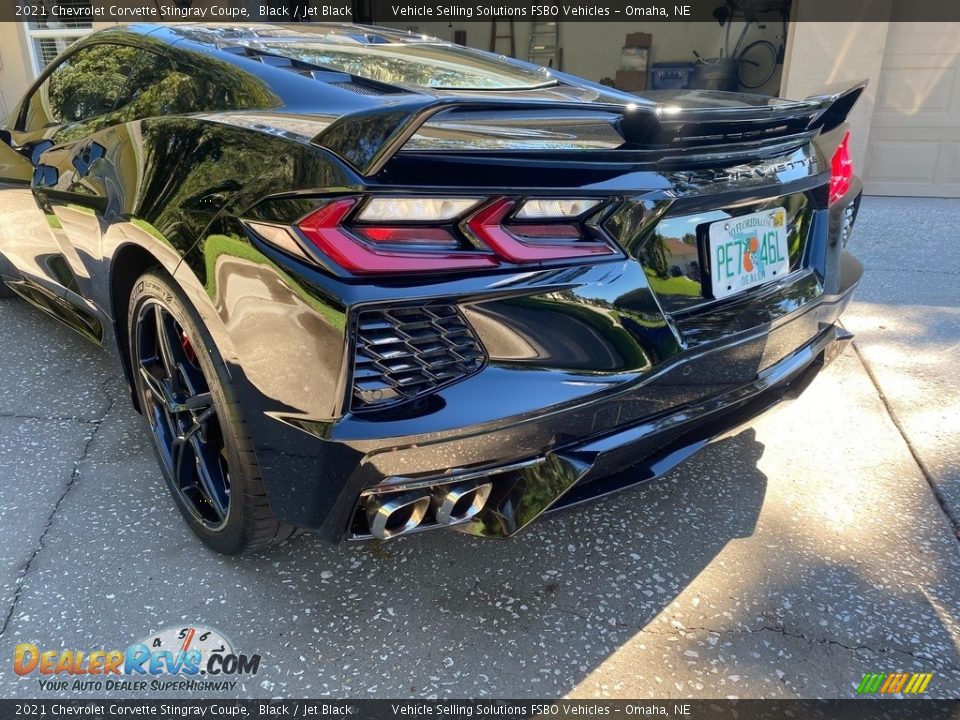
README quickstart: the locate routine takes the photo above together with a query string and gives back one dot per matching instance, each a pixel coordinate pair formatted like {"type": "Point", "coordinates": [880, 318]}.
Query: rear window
{"type": "Point", "coordinates": [418, 64]}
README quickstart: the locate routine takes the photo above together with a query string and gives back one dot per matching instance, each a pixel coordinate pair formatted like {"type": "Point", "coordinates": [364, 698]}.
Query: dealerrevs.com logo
{"type": "Point", "coordinates": [179, 658]}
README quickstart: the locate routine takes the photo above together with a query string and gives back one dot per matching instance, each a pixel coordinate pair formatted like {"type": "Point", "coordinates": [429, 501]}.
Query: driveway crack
{"type": "Point", "coordinates": [952, 518]}
{"type": "Point", "coordinates": [780, 630]}
{"type": "Point", "coordinates": [71, 481]}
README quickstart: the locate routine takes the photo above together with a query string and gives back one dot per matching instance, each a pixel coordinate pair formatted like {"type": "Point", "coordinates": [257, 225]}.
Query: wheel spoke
{"type": "Point", "coordinates": [185, 377]}
{"type": "Point", "coordinates": [164, 348]}
{"type": "Point", "coordinates": [201, 400]}
{"type": "Point", "coordinates": [182, 469]}
{"type": "Point", "coordinates": [158, 389]}
{"type": "Point", "coordinates": [213, 488]}
{"type": "Point", "coordinates": [190, 375]}
{"type": "Point", "coordinates": [204, 403]}
{"type": "Point", "coordinates": [199, 425]}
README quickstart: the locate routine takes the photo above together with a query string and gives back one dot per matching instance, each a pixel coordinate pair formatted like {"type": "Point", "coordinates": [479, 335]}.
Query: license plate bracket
{"type": "Point", "coordinates": [745, 252]}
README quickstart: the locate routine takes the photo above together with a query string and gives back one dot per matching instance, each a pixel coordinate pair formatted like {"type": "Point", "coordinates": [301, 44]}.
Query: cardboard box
{"type": "Point", "coordinates": [636, 51]}
{"type": "Point", "coordinates": [634, 58]}
{"type": "Point", "coordinates": [638, 40]}
{"type": "Point", "coordinates": [631, 80]}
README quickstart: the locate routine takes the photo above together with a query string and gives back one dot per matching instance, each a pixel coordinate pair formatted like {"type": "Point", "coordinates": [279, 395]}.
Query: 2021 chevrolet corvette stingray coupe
{"type": "Point", "coordinates": [369, 283]}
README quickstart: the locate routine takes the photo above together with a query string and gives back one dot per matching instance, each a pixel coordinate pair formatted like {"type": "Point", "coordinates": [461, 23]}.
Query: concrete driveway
{"type": "Point", "coordinates": [786, 561]}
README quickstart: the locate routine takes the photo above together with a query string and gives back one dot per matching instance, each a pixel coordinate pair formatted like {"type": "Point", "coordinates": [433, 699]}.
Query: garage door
{"type": "Point", "coordinates": [914, 146]}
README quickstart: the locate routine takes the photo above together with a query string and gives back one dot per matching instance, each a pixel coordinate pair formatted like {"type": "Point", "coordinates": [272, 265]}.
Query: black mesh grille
{"type": "Point", "coordinates": [360, 89]}
{"type": "Point", "coordinates": [403, 353]}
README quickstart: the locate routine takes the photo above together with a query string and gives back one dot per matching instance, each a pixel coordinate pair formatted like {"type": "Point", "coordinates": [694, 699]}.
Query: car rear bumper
{"type": "Point", "coordinates": [565, 454]}
{"type": "Point", "coordinates": [574, 473]}
{"type": "Point", "coordinates": [651, 449]}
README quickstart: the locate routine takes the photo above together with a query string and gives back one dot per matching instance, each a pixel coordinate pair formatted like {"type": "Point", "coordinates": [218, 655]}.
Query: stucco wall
{"type": "Point", "coordinates": [15, 73]}
{"type": "Point", "coordinates": [821, 53]}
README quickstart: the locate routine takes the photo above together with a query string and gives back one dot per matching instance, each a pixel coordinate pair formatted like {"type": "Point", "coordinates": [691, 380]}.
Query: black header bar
{"type": "Point", "coordinates": [413, 12]}
{"type": "Point", "coordinates": [891, 709]}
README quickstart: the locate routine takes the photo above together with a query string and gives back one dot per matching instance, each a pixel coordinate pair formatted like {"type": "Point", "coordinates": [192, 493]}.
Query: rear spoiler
{"type": "Point", "coordinates": [368, 139]}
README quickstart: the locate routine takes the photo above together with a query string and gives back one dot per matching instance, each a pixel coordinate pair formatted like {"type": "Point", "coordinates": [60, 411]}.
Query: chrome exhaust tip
{"type": "Point", "coordinates": [388, 516]}
{"type": "Point", "coordinates": [460, 502]}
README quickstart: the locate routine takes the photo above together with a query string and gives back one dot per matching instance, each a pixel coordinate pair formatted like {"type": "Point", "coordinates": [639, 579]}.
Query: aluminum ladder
{"type": "Point", "coordinates": [545, 45]}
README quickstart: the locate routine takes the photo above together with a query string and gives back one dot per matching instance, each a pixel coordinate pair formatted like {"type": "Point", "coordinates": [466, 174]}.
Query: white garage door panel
{"type": "Point", "coordinates": [900, 163]}
{"type": "Point", "coordinates": [952, 158]}
{"type": "Point", "coordinates": [914, 146]}
{"type": "Point", "coordinates": [898, 160]}
{"type": "Point", "coordinates": [913, 91]}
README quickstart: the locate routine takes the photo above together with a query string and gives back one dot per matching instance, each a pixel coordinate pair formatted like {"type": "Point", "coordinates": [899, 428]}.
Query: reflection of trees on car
{"type": "Point", "coordinates": [153, 88]}
{"type": "Point", "coordinates": [655, 255]}
{"type": "Point", "coordinates": [91, 81]}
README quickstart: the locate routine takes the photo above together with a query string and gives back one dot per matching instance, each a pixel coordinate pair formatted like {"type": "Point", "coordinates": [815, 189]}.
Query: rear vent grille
{"type": "Point", "coordinates": [733, 132]}
{"type": "Point", "coordinates": [404, 353]}
{"type": "Point", "coordinates": [360, 89]}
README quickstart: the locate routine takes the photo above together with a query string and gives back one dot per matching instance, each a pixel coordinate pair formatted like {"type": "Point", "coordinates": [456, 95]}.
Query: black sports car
{"type": "Point", "coordinates": [368, 283]}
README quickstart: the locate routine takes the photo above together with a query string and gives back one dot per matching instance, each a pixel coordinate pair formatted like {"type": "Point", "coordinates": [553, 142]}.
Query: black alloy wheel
{"type": "Point", "coordinates": [182, 415]}
{"type": "Point", "coordinates": [195, 421]}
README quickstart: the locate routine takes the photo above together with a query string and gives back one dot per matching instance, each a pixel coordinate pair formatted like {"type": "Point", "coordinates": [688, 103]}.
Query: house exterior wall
{"type": "Point", "coordinates": [822, 53]}
{"type": "Point", "coordinates": [15, 71]}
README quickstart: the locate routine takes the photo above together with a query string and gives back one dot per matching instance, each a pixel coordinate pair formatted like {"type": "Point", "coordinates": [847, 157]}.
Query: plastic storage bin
{"type": "Point", "coordinates": [671, 76]}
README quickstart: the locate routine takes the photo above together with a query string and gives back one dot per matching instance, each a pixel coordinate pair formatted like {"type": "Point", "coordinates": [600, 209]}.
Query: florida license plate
{"type": "Point", "coordinates": [747, 251]}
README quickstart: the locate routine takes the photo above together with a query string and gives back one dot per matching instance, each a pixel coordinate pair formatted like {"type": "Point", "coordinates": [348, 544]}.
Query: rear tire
{"type": "Point", "coordinates": [196, 423]}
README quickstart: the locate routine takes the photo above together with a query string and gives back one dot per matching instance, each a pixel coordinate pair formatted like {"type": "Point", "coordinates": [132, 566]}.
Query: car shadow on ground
{"type": "Point", "coordinates": [621, 597]}
{"type": "Point", "coordinates": [534, 613]}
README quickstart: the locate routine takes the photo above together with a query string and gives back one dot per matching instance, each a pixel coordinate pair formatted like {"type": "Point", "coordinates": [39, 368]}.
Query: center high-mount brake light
{"type": "Point", "coordinates": [841, 170]}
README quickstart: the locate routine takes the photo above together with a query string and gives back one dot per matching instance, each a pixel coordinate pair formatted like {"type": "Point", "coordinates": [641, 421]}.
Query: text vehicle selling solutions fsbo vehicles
{"type": "Point", "coordinates": [369, 283]}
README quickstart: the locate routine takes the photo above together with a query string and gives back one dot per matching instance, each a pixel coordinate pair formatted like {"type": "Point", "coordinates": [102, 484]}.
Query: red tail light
{"type": "Point", "coordinates": [323, 228]}
{"type": "Point", "coordinates": [841, 170]}
{"type": "Point", "coordinates": [541, 241]}
{"type": "Point", "coordinates": [397, 235]}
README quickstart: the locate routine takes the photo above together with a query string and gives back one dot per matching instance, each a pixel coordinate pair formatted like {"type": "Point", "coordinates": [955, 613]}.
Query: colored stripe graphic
{"type": "Point", "coordinates": [893, 683]}
{"type": "Point", "coordinates": [926, 678]}
{"type": "Point", "coordinates": [871, 683]}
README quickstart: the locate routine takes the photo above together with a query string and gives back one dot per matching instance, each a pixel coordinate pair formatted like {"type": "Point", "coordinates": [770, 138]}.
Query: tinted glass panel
{"type": "Point", "coordinates": [87, 84]}
{"type": "Point", "coordinates": [389, 56]}
{"type": "Point", "coordinates": [421, 64]}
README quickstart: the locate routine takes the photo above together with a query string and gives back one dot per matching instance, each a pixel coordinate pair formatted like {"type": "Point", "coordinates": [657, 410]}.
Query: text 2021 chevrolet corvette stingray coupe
{"type": "Point", "coordinates": [369, 283]}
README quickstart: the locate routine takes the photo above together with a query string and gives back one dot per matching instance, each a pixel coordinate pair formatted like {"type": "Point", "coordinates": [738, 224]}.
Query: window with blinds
{"type": "Point", "coordinates": [48, 36]}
